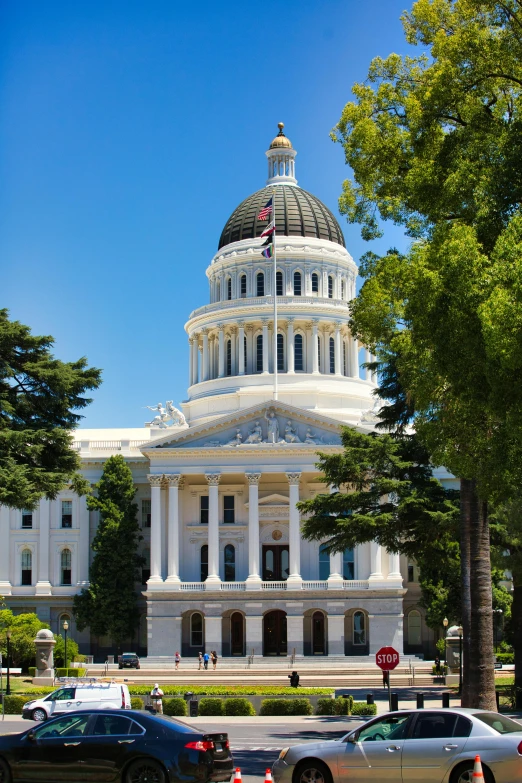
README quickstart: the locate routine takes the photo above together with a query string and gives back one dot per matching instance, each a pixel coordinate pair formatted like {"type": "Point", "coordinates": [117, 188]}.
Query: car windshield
{"type": "Point", "coordinates": [498, 722]}
{"type": "Point", "coordinates": [129, 655]}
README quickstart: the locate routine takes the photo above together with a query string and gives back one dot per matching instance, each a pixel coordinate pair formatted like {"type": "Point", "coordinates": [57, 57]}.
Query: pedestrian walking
{"type": "Point", "coordinates": [294, 680]}
{"type": "Point", "coordinates": [385, 679]}
{"type": "Point", "coordinates": [214, 659]}
{"type": "Point", "coordinates": [206, 658]}
{"type": "Point", "coordinates": [177, 659]}
{"type": "Point", "coordinates": [157, 698]}
{"type": "Point", "coordinates": [200, 660]}
{"type": "Point", "coordinates": [437, 665]}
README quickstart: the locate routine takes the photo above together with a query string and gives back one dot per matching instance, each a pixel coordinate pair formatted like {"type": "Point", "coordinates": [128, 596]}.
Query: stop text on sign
{"type": "Point", "coordinates": [387, 658]}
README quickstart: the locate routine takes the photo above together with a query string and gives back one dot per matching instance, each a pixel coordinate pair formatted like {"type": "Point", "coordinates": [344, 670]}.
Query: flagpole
{"type": "Point", "coordinates": [275, 297]}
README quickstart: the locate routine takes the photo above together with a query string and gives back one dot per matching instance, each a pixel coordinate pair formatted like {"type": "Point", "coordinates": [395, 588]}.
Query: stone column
{"type": "Point", "coordinates": [254, 634]}
{"type": "Point", "coordinates": [354, 357]}
{"type": "Point", "coordinates": [195, 359]}
{"type": "Point", "coordinates": [213, 636]}
{"type": "Point", "coordinates": [204, 358]}
{"type": "Point", "coordinates": [191, 361]}
{"type": "Point", "coordinates": [43, 585]}
{"type": "Point", "coordinates": [315, 347]}
{"type": "Point", "coordinates": [335, 634]}
{"type": "Point", "coordinates": [265, 346]}
{"type": "Point", "coordinates": [233, 351]}
{"type": "Point", "coordinates": [175, 483]}
{"type": "Point", "coordinates": [254, 580]}
{"type": "Point", "coordinates": [155, 530]}
{"type": "Point", "coordinates": [290, 359]}
{"type": "Point", "coordinates": [213, 580]}
{"type": "Point", "coordinates": [335, 580]}
{"type": "Point", "coordinates": [294, 580]}
{"type": "Point", "coordinates": [221, 351]}
{"type": "Point", "coordinates": [241, 349]}
{"type": "Point", "coordinates": [83, 543]}
{"type": "Point", "coordinates": [337, 347]}
{"type": "Point", "coordinates": [375, 564]}
{"type": "Point", "coordinates": [5, 538]}
{"type": "Point", "coordinates": [249, 369]}
{"type": "Point", "coordinates": [394, 570]}
{"type": "Point", "coordinates": [294, 633]}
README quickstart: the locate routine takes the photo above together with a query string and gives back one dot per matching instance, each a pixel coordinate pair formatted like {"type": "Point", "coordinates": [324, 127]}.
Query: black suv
{"type": "Point", "coordinates": [128, 661]}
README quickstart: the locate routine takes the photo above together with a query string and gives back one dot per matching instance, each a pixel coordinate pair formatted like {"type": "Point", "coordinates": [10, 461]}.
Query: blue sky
{"type": "Point", "coordinates": [129, 131]}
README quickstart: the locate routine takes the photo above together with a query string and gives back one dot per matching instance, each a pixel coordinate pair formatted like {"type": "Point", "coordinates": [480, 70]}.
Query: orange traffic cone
{"type": "Point", "coordinates": [268, 776]}
{"type": "Point", "coordinates": [237, 776]}
{"type": "Point", "coordinates": [478, 775]}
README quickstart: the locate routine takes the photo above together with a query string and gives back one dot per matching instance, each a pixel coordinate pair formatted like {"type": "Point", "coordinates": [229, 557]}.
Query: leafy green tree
{"type": "Point", "coordinates": [109, 605]}
{"type": "Point", "coordinates": [38, 399]}
{"type": "Point", "coordinates": [59, 650]}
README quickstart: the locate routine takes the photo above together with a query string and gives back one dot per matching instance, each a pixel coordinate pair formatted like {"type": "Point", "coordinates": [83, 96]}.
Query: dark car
{"type": "Point", "coordinates": [128, 661]}
{"type": "Point", "coordinates": [104, 745]}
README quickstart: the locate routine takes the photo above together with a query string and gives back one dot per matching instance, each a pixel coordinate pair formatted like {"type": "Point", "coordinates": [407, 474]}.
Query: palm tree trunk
{"type": "Point", "coordinates": [516, 624]}
{"type": "Point", "coordinates": [481, 674]}
{"type": "Point", "coordinates": [467, 504]}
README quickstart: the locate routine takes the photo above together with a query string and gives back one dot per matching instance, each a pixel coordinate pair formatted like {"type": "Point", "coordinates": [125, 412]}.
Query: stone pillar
{"type": "Point", "coordinates": [290, 359]}
{"type": "Point", "coordinates": [233, 351]}
{"type": "Point", "coordinates": [335, 634]}
{"type": "Point", "coordinates": [213, 580]}
{"type": "Point", "coordinates": [294, 580]}
{"type": "Point", "coordinates": [204, 356]}
{"type": "Point", "coordinates": [241, 349]}
{"type": "Point", "coordinates": [254, 634]}
{"type": "Point", "coordinates": [195, 359]}
{"type": "Point", "coordinates": [155, 530]}
{"type": "Point", "coordinates": [337, 348]}
{"type": "Point", "coordinates": [5, 538]}
{"type": "Point", "coordinates": [335, 580]}
{"type": "Point", "coordinates": [249, 369]}
{"type": "Point", "coordinates": [294, 633]}
{"type": "Point", "coordinates": [376, 576]}
{"type": "Point", "coordinates": [265, 346]}
{"type": "Point", "coordinates": [175, 483]}
{"type": "Point", "coordinates": [191, 361]}
{"type": "Point", "coordinates": [83, 543]}
{"type": "Point", "coordinates": [43, 585]}
{"type": "Point", "coordinates": [394, 570]}
{"type": "Point", "coordinates": [221, 351]}
{"type": "Point", "coordinates": [254, 580]}
{"type": "Point", "coordinates": [44, 644]}
{"type": "Point", "coordinates": [354, 357]}
{"type": "Point", "coordinates": [213, 636]}
{"type": "Point", "coordinates": [315, 347]}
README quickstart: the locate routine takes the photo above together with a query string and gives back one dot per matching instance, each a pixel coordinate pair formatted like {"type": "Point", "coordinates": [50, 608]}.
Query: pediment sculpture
{"type": "Point", "coordinates": [253, 434]}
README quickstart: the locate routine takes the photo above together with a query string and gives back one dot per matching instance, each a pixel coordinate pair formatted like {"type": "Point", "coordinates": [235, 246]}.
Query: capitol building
{"type": "Point", "coordinates": [219, 481]}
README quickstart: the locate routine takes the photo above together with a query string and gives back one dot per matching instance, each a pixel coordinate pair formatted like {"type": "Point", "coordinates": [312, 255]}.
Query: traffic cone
{"type": "Point", "coordinates": [237, 776]}
{"type": "Point", "coordinates": [268, 776]}
{"type": "Point", "coordinates": [478, 775]}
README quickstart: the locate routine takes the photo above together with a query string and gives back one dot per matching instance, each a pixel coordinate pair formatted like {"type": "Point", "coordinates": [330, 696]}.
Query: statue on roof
{"type": "Point", "coordinates": [168, 416]}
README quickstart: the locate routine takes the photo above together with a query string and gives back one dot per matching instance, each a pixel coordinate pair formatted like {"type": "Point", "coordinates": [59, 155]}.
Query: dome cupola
{"type": "Point", "coordinates": [281, 160]}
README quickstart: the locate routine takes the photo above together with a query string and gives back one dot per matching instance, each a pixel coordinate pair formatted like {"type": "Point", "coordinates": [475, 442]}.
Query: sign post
{"type": "Point", "coordinates": [387, 658]}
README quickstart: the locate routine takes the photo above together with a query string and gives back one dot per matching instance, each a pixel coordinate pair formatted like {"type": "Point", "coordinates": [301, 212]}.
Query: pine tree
{"type": "Point", "coordinates": [109, 605]}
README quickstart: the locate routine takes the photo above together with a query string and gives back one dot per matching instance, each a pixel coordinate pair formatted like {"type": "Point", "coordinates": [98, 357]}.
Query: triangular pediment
{"type": "Point", "coordinates": [268, 425]}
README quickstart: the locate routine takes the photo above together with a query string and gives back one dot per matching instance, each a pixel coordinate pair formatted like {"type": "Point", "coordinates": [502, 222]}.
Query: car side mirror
{"type": "Point", "coordinates": [31, 736]}
{"type": "Point", "coordinates": [353, 737]}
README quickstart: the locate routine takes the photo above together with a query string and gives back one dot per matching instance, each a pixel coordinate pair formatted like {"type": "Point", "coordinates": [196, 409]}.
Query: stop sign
{"type": "Point", "coordinates": [387, 658]}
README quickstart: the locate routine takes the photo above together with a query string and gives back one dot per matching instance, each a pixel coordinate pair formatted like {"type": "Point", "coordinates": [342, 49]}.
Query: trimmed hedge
{"type": "Point", "coordinates": [211, 707]}
{"type": "Point", "coordinates": [286, 707]}
{"type": "Point", "coordinates": [229, 690]}
{"type": "Point", "coordinates": [13, 704]}
{"type": "Point", "coordinates": [239, 707]}
{"type": "Point", "coordinates": [507, 657]}
{"type": "Point", "coordinates": [136, 703]}
{"type": "Point", "coordinates": [361, 708]}
{"type": "Point", "coordinates": [32, 671]}
{"type": "Point", "coordinates": [71, 672]}
{"type": "Point", "coordinates": [174, 707]}
{"type": "Point", "coordinates": [338, 706]}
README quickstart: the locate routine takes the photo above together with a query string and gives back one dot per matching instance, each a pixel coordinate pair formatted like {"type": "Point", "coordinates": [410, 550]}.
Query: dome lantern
{"type": "Point", "coordinates": [281, 160]}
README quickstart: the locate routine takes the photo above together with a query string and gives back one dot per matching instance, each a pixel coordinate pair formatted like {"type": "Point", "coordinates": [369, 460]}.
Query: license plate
{"type": "Point", "coordinates": [218, 746]}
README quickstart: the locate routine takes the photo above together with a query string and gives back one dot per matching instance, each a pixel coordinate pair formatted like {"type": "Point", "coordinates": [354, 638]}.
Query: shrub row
{"type": "Point", "coordinates": [13, 704]}
{"type": "Point", "coordinates": [507, 657]}
{"type": "Point", "coordinates": [339, 706]}
{"type": "Point", "coordinates": [229, 690]}
{"type": "Point", "coordinates": [225, 707]}
{"type": "Point", "coordinates": [286, 707]}
{"type": "Point", "coordinates": [361, 708]}
{"type": "Point", "coordinates": [71, 672]}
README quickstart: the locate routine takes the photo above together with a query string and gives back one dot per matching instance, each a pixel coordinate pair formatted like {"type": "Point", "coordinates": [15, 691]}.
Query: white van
{"type": "Point", "coordinates": [79, 696]}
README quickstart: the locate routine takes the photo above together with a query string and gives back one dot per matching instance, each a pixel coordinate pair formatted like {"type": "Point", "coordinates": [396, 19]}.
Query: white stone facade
{"type": "Point", "coordinates": [227, 568]}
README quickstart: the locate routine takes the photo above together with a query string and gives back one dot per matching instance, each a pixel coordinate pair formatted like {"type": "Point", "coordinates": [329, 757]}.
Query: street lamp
{"type": "Point", "coordinates": [8, 684]}
{"type": "Point", "coordinates": [445, 624]}
{"type": "Point", "coordinates": [460, 658]}
{"type": "Point", "coordinates": [65, 629]}
{"type": "Point", "coordinates": [496, 620]}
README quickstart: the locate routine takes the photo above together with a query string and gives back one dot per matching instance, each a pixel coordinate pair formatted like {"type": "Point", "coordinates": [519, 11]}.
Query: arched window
{"type": "Point", "coordinates": [218, 290]}
{"type": "Point", "coordinates": [348, 565]}
{"type": "Point", "coordinates": [259, 353]}
{"type": "Point", "coordinates": [330, 287]}
{"type": "Point", "coordinates": [66, 567]}
{"type": "Point", "coordinates": [298, 352]}
{"type": "Point", "coordinates": [279, 283]}
{"type": "Point", "coordinates": [342, 289]}
{"type": "Point", "coordinates": [315, 283]}
{"type": "Point", "coordinates": [332, 355]}
{"type": "Point", "coordinates": [280, 353]}
{"type": "Point", "coordinates": [228, 355]}
{"type": "Point", "coordinates": [359, 628]}
{"type": "Point", "coordinates": [414, 628]}
{"type": "Point", "coordinates": [204, 562]}
{"type": "Point", "coordinates": [319, 352]}
{"type": "Point", "coordinates": [27, 567]}
{"type": "Point", "coordinates": [229, 288]}
{"type": "Point", "coordinates": [196, 630]}
{"type": "Point", "coordinates": [324, 563]}
{"type": "Point", "coordinates": [297, 283]}
{"type": "Point", "coordinates": [260, 284]}
{"type": "Point", "coordinates": [145, 569]}
{"type": "Point", "coordinates": [230, 563]}
{"type": "Point", "coordinates": [242, 286]}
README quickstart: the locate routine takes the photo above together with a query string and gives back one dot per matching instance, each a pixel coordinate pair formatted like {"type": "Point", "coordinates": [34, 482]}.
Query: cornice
{"type": "Point", "coordinates": [250, 249]}
{"type": "Point", "coordinates": [263, 449]}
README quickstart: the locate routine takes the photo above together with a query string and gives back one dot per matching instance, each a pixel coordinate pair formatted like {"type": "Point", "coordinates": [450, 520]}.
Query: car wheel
{"type": "Point", "coordinates": [145, 771]}
{"type": "Point", "coordinates": [5, 772]}
{"type": "Point", "coordinates": [464, 773]}
{"type": "Point", "coordinates": [312, 771]}
{"type": "Point", "coordinates": [39, 714]}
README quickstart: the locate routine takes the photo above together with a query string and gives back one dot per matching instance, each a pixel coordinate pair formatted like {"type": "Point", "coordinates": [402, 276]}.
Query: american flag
{"type": "Point", "coordinates": [266, 211]}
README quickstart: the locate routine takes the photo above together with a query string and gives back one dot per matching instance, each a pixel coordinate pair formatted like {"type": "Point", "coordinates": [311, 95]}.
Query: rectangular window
{"type": "Point", "coordinates": [27, 577]}
{"type": "Point", "coordinates": [145, 512]}
{"type": "Point", "coordinates": [280, 353]}
{"type": "Point", "coordinates": [297, 284]}
{"type": "Point", "coordinates": [279, 284]}
{"type": "Point", "coordinates": [330, 288]}
{"type": "Point", "coordinates": [260, 284]}
{"type": "Point", "coordinates": [229, 514]}
{"type": "Point", "coordinates": [228, 360]}
{"type": "Point", "coordinates": [332, 355]}
{"type": "Point", "coordinates": [298, 353]}
{"type": "Point", "coordinates": [243, 285]}
{"type": "Point", "coordinates": [27, 519]}
{"type": "Point", "coordinates": [259, 353]}
{"type": "Point", "coordinates": [66, 577]}
{"type": "Point", "coordinates": [413, 572]}
{"type": "Point", "coordinates": [203, 509]}
{"type": "Point", "coordinates": [348, 565]}
{"type": "Point", "coordinates": [66, 513]}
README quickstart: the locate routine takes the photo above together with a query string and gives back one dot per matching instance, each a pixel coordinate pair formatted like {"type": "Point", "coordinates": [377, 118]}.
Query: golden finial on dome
{"type": "Point", "coordinates": [280, 125]}
{"type": "Point", "coordinates": [281, 140]}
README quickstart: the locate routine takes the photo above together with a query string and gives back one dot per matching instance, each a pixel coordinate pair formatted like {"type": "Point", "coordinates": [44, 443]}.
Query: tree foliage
{"type": "Point", "coordinates": [38, 399]}
{"type": "Point", "coordinates": [24, 628]}
{"type": "Point", "coordinates": [109, 605]}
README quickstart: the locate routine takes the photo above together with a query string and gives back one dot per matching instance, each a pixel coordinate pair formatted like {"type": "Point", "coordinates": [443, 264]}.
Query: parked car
{"type": "Point", "coordinates": [80, 696]}
{"type": "Point", "coordinates": [128, 661]}
{"type": "Point", "coordinates": [411, 745]}
{"type": "Point", "coordinates": [111, 746]}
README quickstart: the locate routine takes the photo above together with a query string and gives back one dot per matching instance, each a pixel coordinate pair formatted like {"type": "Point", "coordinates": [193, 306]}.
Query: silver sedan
{"type": "Point", "coordinates": [431, 746]}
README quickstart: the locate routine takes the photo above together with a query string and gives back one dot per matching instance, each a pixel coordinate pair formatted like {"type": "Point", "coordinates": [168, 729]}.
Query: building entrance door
{"type": "Point", "coordinates": [318, 635]}
{"type": "Point", "coordinates": [275, 563]}
{"type": "Point", "coordinates": [237, 640]}
{"type": "Point", "coordinates": [274, 633]}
